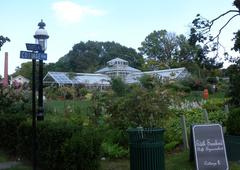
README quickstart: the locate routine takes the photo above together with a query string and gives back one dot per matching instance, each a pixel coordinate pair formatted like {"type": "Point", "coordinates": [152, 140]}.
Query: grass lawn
{"type": "Point", "coordinates": [175, 161]}
{"type": "Point", "coordinates": [62, 106]}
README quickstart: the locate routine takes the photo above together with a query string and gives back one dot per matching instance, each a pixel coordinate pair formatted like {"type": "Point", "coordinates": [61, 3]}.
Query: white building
{"type": "Point", "coordinates": [118, 67]}
{"type": "Point", "coordinates": [115, 68]}
{"type": "Point", "coordinates": [19, 80]}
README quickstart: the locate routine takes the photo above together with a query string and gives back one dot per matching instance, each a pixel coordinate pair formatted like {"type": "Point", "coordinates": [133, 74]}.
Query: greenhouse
{"type": "Point", "coordinates": [115, 68]}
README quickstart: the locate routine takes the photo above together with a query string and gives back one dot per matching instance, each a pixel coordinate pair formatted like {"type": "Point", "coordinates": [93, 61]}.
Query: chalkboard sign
{"type": "Point", "coordinates": [209, 147]}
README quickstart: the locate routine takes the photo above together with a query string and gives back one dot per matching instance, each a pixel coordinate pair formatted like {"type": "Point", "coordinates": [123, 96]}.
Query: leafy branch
{"type": "Point", "coordinates": [3, 40]}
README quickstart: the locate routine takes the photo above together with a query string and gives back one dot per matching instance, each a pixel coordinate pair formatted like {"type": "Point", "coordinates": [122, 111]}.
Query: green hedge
{"type": "Point", "coordinates": [60, 143]}
{"type": "Point", "coordinates": [233, 122]}
{"type": "Point", "coordinates": [9, 124]}
{"type": "Point", "coordinates": [82, 150]}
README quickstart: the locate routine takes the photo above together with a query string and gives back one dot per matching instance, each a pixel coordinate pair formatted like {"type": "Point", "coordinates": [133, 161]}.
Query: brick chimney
{"type": "Point", "coordinates": [5, 80]}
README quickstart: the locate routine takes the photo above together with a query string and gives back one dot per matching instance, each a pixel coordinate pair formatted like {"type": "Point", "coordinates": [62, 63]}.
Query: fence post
{"type": "Point", "coordinates": [206, 115]}
{"type": "Point", "coordinates": [184, 132]}
{"type": "Point", "coordinates": [226, 109]}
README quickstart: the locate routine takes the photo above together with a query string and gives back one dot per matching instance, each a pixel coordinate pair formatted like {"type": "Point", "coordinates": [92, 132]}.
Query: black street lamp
{"type": "Point", "coordinates": [41, 37]}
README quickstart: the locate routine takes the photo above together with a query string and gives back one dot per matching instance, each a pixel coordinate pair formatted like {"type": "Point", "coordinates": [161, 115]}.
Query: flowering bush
{"type": "Point", "coordinates": [15, 100]}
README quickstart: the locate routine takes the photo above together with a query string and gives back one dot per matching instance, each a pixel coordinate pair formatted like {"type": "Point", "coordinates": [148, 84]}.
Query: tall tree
{"type": "Point", "coordinates": [160, 46]}
{"type": "Point", "coordinates": [25, 70]}
{"type": "Point", "coordinates": [92, 55]}
{"type": "Point", "coordinates": [201, 32]}
{"type": "Point", "coordinates": [202, 27]}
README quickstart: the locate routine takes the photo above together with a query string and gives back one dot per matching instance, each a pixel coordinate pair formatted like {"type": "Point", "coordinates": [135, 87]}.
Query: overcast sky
{"type": "Point", "coordinates": [127, 22]}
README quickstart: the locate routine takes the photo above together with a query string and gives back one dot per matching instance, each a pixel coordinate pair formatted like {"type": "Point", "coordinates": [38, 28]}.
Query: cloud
{"type": "Point", "coordinates": [68, 11]}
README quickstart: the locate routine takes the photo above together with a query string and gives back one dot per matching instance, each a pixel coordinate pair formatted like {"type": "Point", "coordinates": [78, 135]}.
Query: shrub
{"type": "Point", "coordinates": [178, 86]}
{"type": "Point", "coordinates": [115, 142]}
{"type": "Point", "coordinates": [113, 150]}
{"type": "Point", "coordinates": [82, 150]}
{"type": "Point", "coordinates": [82, 92]}
{"type": "Point", "coordinates": [50, 137]}
{"type": "Point", "coordinates": [173, 134]}
{"type": "Point", "coordinates": [233, 125]}
{"type": "Point", "coordinates": [171, 146]}
{"type": "Point", "coordinates": [14, 100]}
{"type": "Point", "coordinates": [212, 80]}
{"type": "Point", "coordinates": [218, 116]}
{"type": "Point", "coordinates": [214, 104]}
{"type": "Point", "coordinates": [8, 130]}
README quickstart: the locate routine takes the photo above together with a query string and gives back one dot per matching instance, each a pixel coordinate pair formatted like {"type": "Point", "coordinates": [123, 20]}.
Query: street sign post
{"type": "Point", "coordinates": [33, 55]}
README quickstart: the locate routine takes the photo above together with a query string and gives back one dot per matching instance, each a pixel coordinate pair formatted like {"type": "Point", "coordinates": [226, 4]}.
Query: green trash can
{"type": "Point", "coordinates": [146, 148]}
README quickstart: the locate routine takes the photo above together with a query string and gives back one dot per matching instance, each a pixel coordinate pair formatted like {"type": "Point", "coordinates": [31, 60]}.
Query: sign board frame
{"type": "Point", "coordinates": [209, 146]}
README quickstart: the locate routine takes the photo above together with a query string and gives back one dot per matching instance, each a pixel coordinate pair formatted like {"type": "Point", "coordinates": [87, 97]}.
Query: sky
{"type": "Point", "coordinates": [127, 22]}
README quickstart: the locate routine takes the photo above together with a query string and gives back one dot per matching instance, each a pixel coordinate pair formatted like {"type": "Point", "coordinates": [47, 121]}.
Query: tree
{"type": "Point", "coordinates": [25, 70]}
{"type": "Point", "coordinates": [200, 32]}
{"type": "Point", "coordinates": [201, 29]}
{"type": "Point", "coordinates": [160, 46]}
{"type": "Point", "coordinates": [234, 90]}
{"type": "Point", "coordinates": [91, 56]}
{"type": "Point", "coordinates": [3, 40]}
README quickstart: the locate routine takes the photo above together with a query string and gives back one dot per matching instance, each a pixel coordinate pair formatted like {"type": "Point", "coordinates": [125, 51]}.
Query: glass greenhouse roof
{"type": "Point", "coordinates": [62, 78]}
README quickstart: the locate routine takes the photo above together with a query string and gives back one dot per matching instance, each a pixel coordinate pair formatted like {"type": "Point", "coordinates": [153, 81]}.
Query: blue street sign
{"type": "Point", "coordinates": [32, 55]}
{"type": "Point", "coordinates": [26, 55]}
{"type": "Point", "coordinates": [33, 47]}
{"type": "Point", "coordinates": [41, 56]}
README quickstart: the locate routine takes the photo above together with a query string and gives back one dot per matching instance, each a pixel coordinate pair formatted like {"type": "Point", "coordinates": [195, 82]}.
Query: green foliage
{"type": "Point", "coordinates": [212, 80]}
{"type": "Point", "coordinates": [173, 131]}
{"type": "Point", "coordinates": [171, 146]}
{"type": "Point", "coordinates": [51, 136]}
{"type": "Point", "coordinates": [115, 142]}
{"type": "Point", "coordinates": [236, 46]}
{"type": "Point", "coordinates": [67, 92]}
{"type": "Point", "coordinates": [8, 130]}
{"type": "Point", "coordinates": [133, 110]}
{"type": "Point", "coordinates": [61, 109]}
{"type": "Point", "coordinates": [25, 70]}
{"type": "Point", "coordinates": [118, 86]}
{"type": "Point", "coordinates": [195, 84]}
{"type": "Point", "coordinates": [114, 150]}
{"type": "Point", "coordinates": [234, 88]}
{"type": "Point", "coordinates": [3, 40]}
{"type": "Point", "coordinates": [233, 125]}
{"type": "Point", "coordinates": [55, 92]}
{"type": "Point", "coordinates": [82, 92]}
{"type": "Point", "coordinates": [174, 127]}
{"type": "Point", "coordinates": [214, 104]}
{"type": "Point", "coordinates": [218, 116]}
{"type": "Point", "coordinates": [14, 100]}
{"type": "Point", "coordinates": [82, 150]}
{"type": "Point", "coordinates": [149, 82]}
{"type": "Point", "coordinates": [51, 92]}
{"type": "Point", "coordinates": [93, 55]}
{"type": "Point", "coordinates": [160, 46]}
{"type": "Point", "coordinates": [97, 104]}
{"type": "Point", "coordinates": [178, 87]}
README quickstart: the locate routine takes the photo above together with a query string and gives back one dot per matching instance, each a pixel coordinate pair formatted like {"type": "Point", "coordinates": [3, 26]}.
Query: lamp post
{"type": "Point", "coordinates": [41, 37]}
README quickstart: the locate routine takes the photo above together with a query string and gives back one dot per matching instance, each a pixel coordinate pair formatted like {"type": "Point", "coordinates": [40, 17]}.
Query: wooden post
{"type": "Point", "coordinates": [184, 133]}
{"type": "Point", "coordinates": [206, 116]}
{"type": "Point", "coordinates": [226, 109]}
